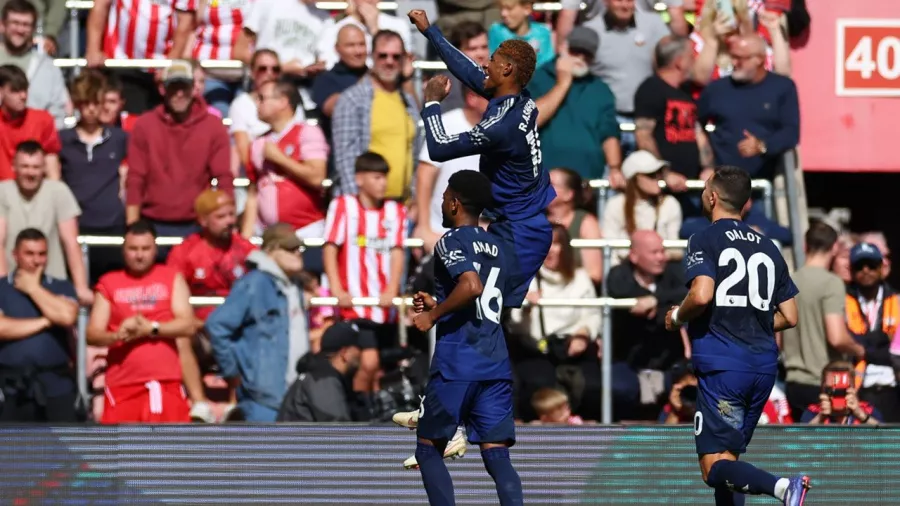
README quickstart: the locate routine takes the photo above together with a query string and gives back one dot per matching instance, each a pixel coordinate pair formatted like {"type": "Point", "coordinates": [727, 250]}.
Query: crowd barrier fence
{"type": "Point", "coordinates": [341, 464]}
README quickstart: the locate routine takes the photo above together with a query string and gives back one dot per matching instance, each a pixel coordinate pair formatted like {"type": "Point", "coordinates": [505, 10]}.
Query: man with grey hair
{"type": "Point", "coordinates": [624, 59]}
{"type": "Point", "coordinates": [666, 122]}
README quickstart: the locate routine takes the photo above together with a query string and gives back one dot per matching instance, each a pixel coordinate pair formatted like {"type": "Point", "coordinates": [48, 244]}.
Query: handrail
{"type": "Point", "coordinates": [340, 6]}
{"type": "Point", "coordinates": [408, 301]}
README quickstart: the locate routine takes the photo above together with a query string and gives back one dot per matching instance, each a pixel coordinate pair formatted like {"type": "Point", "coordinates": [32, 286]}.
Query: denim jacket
{"type": "Point", "coordinates": [250, 333]}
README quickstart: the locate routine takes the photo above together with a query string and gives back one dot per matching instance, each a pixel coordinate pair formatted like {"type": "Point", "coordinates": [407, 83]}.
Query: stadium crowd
{"type": "Point", "coordinates": [322, 129]}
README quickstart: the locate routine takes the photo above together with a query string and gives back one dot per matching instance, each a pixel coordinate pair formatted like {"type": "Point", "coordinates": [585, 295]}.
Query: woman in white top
{"type": "Point", "coordinates": [642, 206]}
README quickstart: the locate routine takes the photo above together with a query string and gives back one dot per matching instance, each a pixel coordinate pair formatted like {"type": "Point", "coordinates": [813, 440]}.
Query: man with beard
{"type": "Point", "coordinates": [740, 294]}
{"type": "Point", "coordinates": [377, 115]}
{"type": "Point", "coordinates": [323, 390]}
{"type": "Point", "coordinates": [757, 120]}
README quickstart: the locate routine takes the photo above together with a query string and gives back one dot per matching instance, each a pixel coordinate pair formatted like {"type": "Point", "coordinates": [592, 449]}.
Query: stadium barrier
{"type": "Point", "coordinates": [341, 464]}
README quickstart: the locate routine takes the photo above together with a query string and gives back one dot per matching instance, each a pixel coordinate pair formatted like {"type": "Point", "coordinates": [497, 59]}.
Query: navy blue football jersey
{"type": "Point", "coordinates": [736, 332]}
{"type": "Point", "coordinates": [470, 342]}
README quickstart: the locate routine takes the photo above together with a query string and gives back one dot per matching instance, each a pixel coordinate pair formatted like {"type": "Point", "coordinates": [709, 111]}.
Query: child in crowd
{"type": "Point", "coordinates": [552, 407]}
{"type": "Point", "coordinates": [517, 24]}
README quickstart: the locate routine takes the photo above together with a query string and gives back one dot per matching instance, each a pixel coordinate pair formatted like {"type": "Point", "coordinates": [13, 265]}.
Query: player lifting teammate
{"type": "Point", "coordinates": [740, 295]}
{"type": "Point", "coordinates": [470, 380]}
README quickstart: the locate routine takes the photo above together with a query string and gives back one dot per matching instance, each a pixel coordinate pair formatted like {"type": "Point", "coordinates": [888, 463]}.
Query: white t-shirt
{"type": "Point", "coordinates": [328, 53]}
{"type": "Point", "coordinates": [244, 119]}
{"type": "Point", "coordinates": [455, 122]}
{"type": "Point", "coordinates": [291, 28]}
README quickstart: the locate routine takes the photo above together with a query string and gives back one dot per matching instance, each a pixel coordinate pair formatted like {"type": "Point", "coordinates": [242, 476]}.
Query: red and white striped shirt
{"type": "Point", "coordinates": [365, 238]}
{"type": "Point", "coordinates": [139, 29]}
{"type": "Point", "coordinates": [218, 25]}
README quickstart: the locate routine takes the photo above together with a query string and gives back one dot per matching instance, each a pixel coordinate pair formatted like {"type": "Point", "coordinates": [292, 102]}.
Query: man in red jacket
{"type": "Point", "coordinates": [174, 152]}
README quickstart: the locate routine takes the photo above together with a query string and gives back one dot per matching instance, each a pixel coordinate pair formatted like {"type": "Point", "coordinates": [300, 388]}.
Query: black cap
{"type": "Point", "coordinates": [339, 336]}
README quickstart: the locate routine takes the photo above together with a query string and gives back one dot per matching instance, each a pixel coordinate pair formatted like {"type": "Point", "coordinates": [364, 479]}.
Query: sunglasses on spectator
{"type": "Point", "coordinates": [295, 251]}
{"type": "Point", "coordinates": [389, 56]}
{"type": "Point", "coordinates": [269, 68]}
{"type": "Point", "coordinates": [867, 264]}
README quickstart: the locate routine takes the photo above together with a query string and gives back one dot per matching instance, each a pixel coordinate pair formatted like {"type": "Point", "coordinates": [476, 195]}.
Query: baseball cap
{"type": "Point", "coordinates": [641, 162]}
{"type": "Point", "coordinates": [338, 336]}
{"type": "Point", "coordinates": [865, 251]}
{"type": "Point", "coordinates": [281, 236]}
{"type": "Point", "coordinates": [210, 200]}
{"type": "Point", "coordinates": [178, 71]}
{"type": "Point", "coordinates": [584, 39]}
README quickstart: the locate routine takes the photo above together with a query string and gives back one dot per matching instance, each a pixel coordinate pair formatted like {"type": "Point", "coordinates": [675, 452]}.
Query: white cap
{"type": "Point", "coordinates": [641, 162]}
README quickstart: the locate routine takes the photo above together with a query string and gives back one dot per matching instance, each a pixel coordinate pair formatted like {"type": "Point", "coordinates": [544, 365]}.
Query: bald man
{"type": "Point", "coordinates": [757, 118]}
{"type": "Point", "coordinates": [642, 347]}
{"type": "Point", "coordinates": [351, 49]}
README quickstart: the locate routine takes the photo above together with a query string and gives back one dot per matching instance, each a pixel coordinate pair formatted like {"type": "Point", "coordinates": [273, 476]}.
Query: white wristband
{"type": "Point", "coordinates": [675, 317]}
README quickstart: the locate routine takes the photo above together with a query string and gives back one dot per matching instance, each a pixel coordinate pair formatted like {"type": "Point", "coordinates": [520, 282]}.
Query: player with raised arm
{"type": "Point", "coordinates": [470, 381]}
{"type": "Point", "coordinates": [507, 140]}
{"type": "Point", "coordinates": [740, 295]}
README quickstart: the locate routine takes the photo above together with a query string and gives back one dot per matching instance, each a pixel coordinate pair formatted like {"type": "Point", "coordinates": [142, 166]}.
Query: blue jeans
{"type": "Point", "coordinates": [258, 413]}
{"type": "Point", "coordinates": [219, 94]}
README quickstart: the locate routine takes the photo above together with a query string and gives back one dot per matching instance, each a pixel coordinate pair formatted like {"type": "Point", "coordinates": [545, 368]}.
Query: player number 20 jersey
{"type": "Point", "coordinates": [470, 342]}
{"type": "Point", "coordinates": [736, 332]}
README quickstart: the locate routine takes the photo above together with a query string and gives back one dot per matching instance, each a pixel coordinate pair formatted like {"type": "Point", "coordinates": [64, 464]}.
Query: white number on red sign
{"type": "Point", "coordinates": [886, 60]}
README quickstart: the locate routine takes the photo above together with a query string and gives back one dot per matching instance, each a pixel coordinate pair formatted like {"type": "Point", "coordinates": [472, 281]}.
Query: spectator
{"type": "Point", "coordinates": [323, 393]}
{"type": "Point", "coordinates": [839, 401]}
{"type": "Point", "coordinates": [49, 206]}
{"type": "Point", "coordinates": [19, 123]}
{"type": "Point", "coordinates": [112, 112]}
{"type": "Point", "coordinates": [716, 31]}
{"type": "Point", "coordinates": [245, 123]}
{"type": "Point", "coordinates": [821, 335]}
{"type": "Point", "coordinates": [757, 120]}
{"type": "Point", "coordinates": [143, 314]}
{"type": "Point", "coordinates": [879, 241]}
{"type": "Point", "coordinates": [471, 38]}
{"type": "Point", "coordinates": [452, 13]}
{"type": "Point", "coordinates": [873, 310]}
{"type": "Point", "coordinates": [37, 313]}
{"type": "Point", "coordinates": [50, 16]}
{"type": "Point", "coordinates": [572, 14]}
{"type": "Point", "coordinates": [432, 176]}
{"type": "Point", "coordinates": [776, 410]}
{"type": "Point", "coordinates": [47, 89]}
{"type": "Point", "coordinates": [173, 154]}
{"type": "Point", "coordinates": [552, 408]}
{"type": "Point", "coordinates": [350, 46]}
{"type": "Point", "coordinates": [841, 264]}
{"type": "Point", "coordinates": [365, 15]}
{"type": "Point", "coordinates": [642, 346]}
{"type": "Point", "coordinates": [559, 336]}
{"type": "Point", "coordinates": [666, 123]}
{"type": "Point", "coordinates": [516, 23]}
{"type": "Point", "coordinates": [376, 115]}
{"type": "Point", "coordinates": [682, 405]}
{"type": "Point", "coordinates": [291, 29]}
{"type": "Point", "coordinates": [264, 311]}
{"type": "Point", "coordinates": [134, 30]}
{"type": "Point", "coordinates": [565, 210]}
{"type": "Point", "coordinates": [643, 206]}
{"type": "Point", "coordinates": [364, 257]}
{"type": "Point", "coordinates": [577, 117]}
{"type": "Point", "coordinates": [199, 89]}
{"type": "Point", "coordinates": [208, 31]}
{"type": "Point", "coordinates": [625, 60]}
{"type": "Point", "coordinates": [287, 167]}
{"type": "Point", "coordinates": [93, 166]}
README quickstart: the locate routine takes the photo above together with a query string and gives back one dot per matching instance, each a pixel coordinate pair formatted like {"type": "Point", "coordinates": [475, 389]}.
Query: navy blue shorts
{"type": "Point", "coordinates": [729, 404]}
{"type": "Point", "coordinates": [527, 243]}
{"type": "Point", "coordinates": [484, 407]}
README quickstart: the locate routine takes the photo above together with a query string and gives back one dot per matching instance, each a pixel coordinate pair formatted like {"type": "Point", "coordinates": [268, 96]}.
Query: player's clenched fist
{"type": "Point", "coordinates": [437, 88]}
{"type": "Point", "coordinates": [670, 320]}
{"type": "Point", "coordinates": [423, 302]}
{"type": "Point", "coordinates": [423, 321]}
{"type": "Point", "coordinates": [419, 18]}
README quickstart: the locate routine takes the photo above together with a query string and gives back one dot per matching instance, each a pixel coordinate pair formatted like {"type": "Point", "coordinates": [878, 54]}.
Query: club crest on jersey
{"type": "Point", "coordinates": [199, 273]}
{"type": "Point", "coordinates": [289, 150]}
{"type": "Point", "coordinates": [238, 271]}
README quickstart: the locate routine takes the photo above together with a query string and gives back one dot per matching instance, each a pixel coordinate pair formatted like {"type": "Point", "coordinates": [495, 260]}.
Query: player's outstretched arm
{"type": "Point", "coordinates": [699, 296]}
{"type": "Point", "coordinates": [786, 316]}
{"type": "Point", "coordinates": [457, 62]}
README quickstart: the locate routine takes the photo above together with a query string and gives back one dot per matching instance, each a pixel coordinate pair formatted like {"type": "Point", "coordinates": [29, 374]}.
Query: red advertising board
{"type": "Point", "coordinates": [868, 58]}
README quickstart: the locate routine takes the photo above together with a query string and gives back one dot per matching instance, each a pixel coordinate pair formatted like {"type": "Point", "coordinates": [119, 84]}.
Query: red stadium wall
{"type": "Point", "coordinates": [849, 97]}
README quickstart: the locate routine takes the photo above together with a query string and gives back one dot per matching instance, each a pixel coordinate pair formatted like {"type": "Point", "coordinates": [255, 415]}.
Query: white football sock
{"type": "Point", "coordinates": [781, 487]}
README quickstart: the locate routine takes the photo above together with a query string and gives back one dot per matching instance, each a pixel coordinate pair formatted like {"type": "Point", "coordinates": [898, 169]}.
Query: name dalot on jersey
{"type": "Point", "coordinates": [736, 235]}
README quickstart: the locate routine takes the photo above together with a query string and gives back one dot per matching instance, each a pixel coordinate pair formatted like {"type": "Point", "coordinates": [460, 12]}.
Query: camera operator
{"type": "Point", "coordinates": [838, 401]}
{"type": "Point", "coordinates": [682, 397]}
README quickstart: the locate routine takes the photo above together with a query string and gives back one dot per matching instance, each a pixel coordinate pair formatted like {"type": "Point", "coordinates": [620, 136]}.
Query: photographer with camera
{"type": "Point", "coordinates": [682, 397]}
{"type": "Point", "coordinates": [838, 401]}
